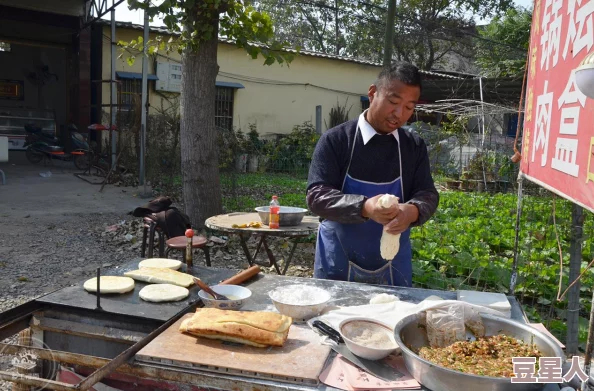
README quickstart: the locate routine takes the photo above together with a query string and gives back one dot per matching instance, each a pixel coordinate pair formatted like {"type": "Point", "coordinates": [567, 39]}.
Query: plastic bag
{"type": "Point", "coordinates": [447, 324]}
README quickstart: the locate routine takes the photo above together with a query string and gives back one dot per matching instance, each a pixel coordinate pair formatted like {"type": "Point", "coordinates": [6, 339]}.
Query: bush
{"type": "Point", "coordinates": [293, 152]}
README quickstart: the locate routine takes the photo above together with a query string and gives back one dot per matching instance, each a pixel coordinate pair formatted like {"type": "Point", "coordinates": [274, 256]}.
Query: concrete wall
{"type": "Point", "coordinates": [275, 97]}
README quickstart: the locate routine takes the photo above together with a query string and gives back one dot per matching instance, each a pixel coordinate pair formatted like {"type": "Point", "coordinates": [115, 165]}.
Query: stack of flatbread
{"type": "Point", "coordinates": [258, 329]}
{"type": "Point", "coordinates": [158, 275]}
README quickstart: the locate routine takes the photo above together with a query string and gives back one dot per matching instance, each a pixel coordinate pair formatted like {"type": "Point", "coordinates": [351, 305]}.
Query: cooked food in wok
{"type": "Point", "coordinates": [488, 356]}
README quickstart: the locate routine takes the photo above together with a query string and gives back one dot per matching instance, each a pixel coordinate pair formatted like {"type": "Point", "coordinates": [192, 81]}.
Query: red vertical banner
{"type": "Point", "coordinates": [558, 142]}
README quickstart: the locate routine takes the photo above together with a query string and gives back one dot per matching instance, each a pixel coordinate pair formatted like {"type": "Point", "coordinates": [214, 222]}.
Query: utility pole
{"type": "Point", "coordinates": [143, 108]}
{"type": "Point", "coordinates": [389, 36]}
{"type": "Point", "coordinates": [113, 92]}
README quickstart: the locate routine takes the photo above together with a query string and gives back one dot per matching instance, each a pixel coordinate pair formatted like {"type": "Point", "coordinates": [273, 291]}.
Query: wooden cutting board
{"type": "Point", "coordinates": [300, 360]}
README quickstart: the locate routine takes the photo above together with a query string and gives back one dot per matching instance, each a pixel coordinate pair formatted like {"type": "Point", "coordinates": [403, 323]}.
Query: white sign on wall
{"type": "Point", "coordinates": [169, 75]}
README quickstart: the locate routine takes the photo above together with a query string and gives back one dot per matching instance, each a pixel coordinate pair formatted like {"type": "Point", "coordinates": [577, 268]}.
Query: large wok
{"type": "Point", "coordinates": [409, 335]}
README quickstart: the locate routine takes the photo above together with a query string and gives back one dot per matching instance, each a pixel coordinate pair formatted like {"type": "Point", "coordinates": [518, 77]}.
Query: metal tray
{"type": "Point", "coordinates": [409, 335]}
{"type": "Point", "coordinates": [288, 216]}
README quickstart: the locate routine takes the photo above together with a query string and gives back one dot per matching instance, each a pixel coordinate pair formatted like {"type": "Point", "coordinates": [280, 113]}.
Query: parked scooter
{"type": "Point", "coordinates": [40, 145]}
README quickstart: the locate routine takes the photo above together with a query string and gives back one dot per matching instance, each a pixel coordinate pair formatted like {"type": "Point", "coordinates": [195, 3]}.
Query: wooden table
{"type": "Point", "coordinates": [225, 223]}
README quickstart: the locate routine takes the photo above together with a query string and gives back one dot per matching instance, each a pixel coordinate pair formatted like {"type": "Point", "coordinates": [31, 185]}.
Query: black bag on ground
{"type": "Point", "coordinates": [171, 220]}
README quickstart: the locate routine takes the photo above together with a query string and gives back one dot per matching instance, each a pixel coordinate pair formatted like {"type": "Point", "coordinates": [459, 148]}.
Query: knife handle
{"type": "Point", "coordinates": [328, 330]}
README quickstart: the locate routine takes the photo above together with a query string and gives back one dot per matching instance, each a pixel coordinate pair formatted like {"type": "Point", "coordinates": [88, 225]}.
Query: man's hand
{"type": "Point", "coordinates": [405, 216]}
{"type": "Point", "coordinates": [373, 211]}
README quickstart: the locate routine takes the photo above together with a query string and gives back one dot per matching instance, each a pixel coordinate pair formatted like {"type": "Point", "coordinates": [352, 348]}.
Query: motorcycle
{"type": "Point", "coordinates": [40, 145]}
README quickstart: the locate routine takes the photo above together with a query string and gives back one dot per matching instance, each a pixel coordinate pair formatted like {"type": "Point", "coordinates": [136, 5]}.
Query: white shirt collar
{"type": "Point", "coordinates": [367, 131]}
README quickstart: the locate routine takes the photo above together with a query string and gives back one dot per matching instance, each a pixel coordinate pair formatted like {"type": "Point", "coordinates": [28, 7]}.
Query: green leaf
{"type": "Point", "coordinates": [130, 60]}
{"type": "Point", "coordinates": [543, 301]}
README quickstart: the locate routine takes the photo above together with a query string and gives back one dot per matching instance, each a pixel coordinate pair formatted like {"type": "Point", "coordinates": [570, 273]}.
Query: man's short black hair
{"type": "Point", "coordinates": [402, 71]}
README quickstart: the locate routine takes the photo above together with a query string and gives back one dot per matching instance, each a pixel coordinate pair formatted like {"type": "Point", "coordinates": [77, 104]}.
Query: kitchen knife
{"type": "Point", "coordinates": [328, 331]}
{"type": "Point", "coordinates": [379, 369]}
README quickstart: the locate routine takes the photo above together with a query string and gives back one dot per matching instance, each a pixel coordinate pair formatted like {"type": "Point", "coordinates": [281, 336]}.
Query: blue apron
{"type": "Point", "coordinates": [351, 252]}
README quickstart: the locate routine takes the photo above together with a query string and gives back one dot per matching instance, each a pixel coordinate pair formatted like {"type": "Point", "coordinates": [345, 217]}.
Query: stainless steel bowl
{"type": "Point", "coordinates": [288, 216]}
{"type": "Point", "coordinates": [408, 334]}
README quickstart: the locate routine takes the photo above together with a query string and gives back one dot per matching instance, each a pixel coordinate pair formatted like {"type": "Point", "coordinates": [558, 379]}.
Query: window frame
{"type": "Point", "coordinates": [224, 102]}
{"type": "Point", "coordinates": [128, 87]}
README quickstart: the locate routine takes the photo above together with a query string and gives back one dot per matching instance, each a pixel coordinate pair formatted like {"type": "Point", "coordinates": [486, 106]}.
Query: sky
{"type": "Point", "coordinates": [524, 3]}
{"type": "Point", "coordinates": [123, 14]}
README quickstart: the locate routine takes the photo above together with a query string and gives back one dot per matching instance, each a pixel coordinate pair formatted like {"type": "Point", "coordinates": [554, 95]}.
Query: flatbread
{"type": "Point", "coordinates": [258, 329]}
{"type": "Point", "coordinates": [161, 275]}
{"type": "Point", "coordinates": [165, 263]}
{"type": "Point", "coordinates": [110, 284]}
{"type": "Point", "coordinates": [163, 292]}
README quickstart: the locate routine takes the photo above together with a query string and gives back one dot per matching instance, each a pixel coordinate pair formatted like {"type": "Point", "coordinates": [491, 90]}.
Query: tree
{"type": "Point", "coordinates": [197, 25]}
{"type": "Point", "coordinates": [432, 33]}
{"type": "Point", "coordinates": [508, 57]}
{"type": "Point", "coordinates": [316, 25]}
{"type": "Point", "coordinates": [428, 33]}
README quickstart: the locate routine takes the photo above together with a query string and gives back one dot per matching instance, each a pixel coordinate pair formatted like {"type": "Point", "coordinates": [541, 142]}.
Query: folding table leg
{"type": "Point", "coordinates": [270, 255]}
{"type": "Point", "coordinates": [246, 250]}
{"type": "Point", "coordinates": [288, 260]}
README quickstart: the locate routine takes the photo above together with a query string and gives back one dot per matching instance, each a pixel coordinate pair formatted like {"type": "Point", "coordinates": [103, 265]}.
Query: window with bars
{"type": "Point", "coordinates": [127, 89]}
{"type": "Point", "coordinates": [224, 107]}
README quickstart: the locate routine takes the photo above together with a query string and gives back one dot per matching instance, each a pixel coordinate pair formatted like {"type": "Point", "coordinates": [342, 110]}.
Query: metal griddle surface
{"type": "Point", "coordinates": [130, 304]}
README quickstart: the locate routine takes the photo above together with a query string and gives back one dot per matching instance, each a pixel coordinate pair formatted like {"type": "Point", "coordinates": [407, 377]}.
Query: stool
{"type": "Point", "coordinates": [148, 231]}
{"type": "Point", "coordinates": [180, 242]}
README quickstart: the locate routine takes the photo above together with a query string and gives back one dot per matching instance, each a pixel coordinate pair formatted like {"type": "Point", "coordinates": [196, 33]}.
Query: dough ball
{"type": "Point", "coordinates": [383, 298]}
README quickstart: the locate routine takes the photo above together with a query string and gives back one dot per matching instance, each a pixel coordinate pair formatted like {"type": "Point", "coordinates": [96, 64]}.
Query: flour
{"type": "Point", "coordinates": [370, 336]}
{"type": "Point", "coordinates": [300, 295]}
{"type": "Point", "coordinates": [373, 339]}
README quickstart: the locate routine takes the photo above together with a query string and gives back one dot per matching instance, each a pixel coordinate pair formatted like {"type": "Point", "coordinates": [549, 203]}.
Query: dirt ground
{"type": "Point", "coordinates": [48, 227]}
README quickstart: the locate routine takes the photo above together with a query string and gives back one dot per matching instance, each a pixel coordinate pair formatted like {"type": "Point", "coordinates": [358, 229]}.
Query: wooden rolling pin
{"type": "Point", "coordinates": [242, 276]}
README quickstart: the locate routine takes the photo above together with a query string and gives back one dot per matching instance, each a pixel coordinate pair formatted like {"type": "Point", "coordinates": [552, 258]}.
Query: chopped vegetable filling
{"type": "Point", "coordinates": [489, 356]}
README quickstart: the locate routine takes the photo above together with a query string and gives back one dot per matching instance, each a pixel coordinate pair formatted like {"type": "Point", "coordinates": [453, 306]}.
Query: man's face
{"type": "Point", "coordinates": [391, 105]}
